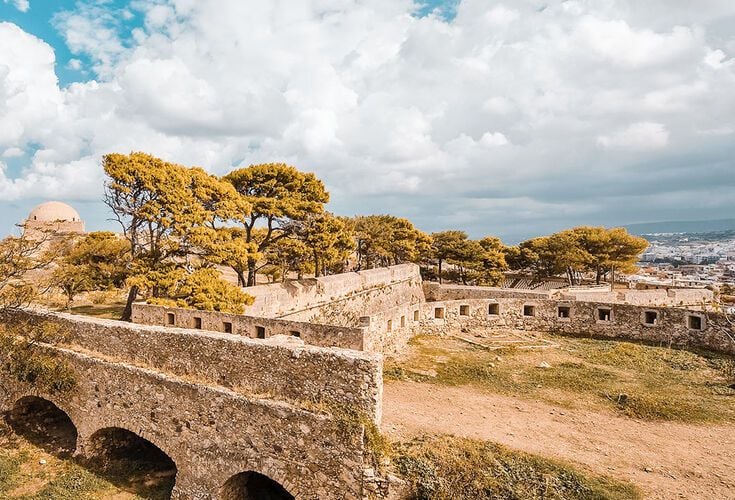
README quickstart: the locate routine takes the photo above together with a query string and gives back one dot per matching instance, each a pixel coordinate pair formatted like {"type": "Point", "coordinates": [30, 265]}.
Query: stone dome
{"type": "Point", "coordinates": [53, 211]}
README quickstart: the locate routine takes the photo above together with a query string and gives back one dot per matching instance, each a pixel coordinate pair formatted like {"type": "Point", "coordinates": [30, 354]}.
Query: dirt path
{"type": "Point", "coordinates": [667, 460]}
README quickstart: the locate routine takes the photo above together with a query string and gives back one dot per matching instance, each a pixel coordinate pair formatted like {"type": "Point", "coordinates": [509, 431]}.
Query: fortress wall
{"type": "Point", "coordinates": [283, 370]}
{"type": "Point", "coordinates": [339, 299]}
{"type": "Point", "coordinates": [210, 433]}
{"type": "Point", "coordinates": [248, 326]}
{"type": "Point", "coordinates": [659, 297]}
{"type": "Point", "coordinates": [655, 297]}
{"type": "Point", "coordinates": [435, 292]}
{"type": "Point", "coordinates": [672, 325]}
{"type": "Point", "coordinates": [690, 296]}
{"type": "Point", "coordinates": [389, 331]}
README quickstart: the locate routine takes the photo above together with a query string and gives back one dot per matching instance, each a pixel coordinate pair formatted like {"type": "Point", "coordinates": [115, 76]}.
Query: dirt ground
{"type": "Point", "coordinates": [667, 460]}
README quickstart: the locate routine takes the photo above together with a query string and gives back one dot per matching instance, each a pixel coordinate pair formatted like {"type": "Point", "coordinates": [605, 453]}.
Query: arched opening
{"type": "Point", "coordinates": [253, 486]}
{"type": "Point", "coordinates": [132, 463]}
{"type": "Point", "coordinates": [43, 424]}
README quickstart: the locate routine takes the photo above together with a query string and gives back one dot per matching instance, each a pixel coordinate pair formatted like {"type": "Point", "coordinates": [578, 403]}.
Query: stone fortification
{"type": "Point", "coordinates": [673, 297]}
{"type": "Point", "coordinates": [223, 394]}
{"type": "Point", "coordinates": [435, 292]}
{"type": "Point", "coordinates": [210, 433]}
{"type": "Point", "coordinates": [217, 405]}
{"type": "Point", "coordinates": [250, 326]}
{"type": "Point", "coordinates": [670, 326]}
{"type": "Point", "coordinates": [379, 311]}
{"type": "Point", "coordinates": [282, 370]}
{"type": "Point", "coordinates": [339, 299]}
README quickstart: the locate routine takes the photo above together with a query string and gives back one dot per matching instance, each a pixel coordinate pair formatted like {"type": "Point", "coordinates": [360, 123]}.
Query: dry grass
{"type": "Point", "coordinates": [645, 382]}
{"type": "Point", "coordinates": [24, 477]}
{"type": "Point", "coordinates": [106, 311]}
{"type": "Point", "coordinates": [444, 468]}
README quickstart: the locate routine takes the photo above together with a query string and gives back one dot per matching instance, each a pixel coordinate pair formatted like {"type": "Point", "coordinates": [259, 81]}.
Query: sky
{"type": "Point", "coordinates": [507, 118]}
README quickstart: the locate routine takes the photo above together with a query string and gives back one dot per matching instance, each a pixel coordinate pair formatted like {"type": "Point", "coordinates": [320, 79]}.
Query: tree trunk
{"type": "Point", "coordinates": [440, 271]}
{"type": "Point", "coordinates": [612, 278]}
{"type": "Point", "coordinates": [251, 272]}
{"type": "Point", "coordinates": [127, 314]}
{"type": "Point", "coordinates": [599, 275]}
{"type": "Point", "coordinates": [316, 265]}
{"type": "Point", "coordinates": [240, 277]}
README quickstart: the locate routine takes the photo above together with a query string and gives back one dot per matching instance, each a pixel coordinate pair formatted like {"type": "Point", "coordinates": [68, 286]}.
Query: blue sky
{"type": "Point", "coordinates": [512, 118]}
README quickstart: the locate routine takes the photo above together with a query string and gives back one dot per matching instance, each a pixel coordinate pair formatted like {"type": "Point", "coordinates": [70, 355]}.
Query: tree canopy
{"type": "Point", "coordinates": [278, 196]}
{"type": "Point", "coordinates": [168, 213]}
{"type": "Point", "coordinates": [384, 240]}
{"type": "Point", "coordinates": [574, 251]}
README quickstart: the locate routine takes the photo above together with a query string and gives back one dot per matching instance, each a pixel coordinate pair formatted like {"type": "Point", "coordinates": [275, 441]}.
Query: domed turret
{"type": "Point", "coordinates": [54, 211]}
{"type": "Point", "coordinates": [53, 217]}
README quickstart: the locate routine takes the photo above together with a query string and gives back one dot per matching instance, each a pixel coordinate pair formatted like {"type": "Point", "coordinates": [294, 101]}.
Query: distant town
{"type": "Point", "coordinates": [688, 259]}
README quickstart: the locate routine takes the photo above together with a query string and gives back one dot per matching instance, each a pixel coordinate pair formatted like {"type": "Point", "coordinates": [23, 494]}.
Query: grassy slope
{"type": "Point", "coordinates": [640, 381]}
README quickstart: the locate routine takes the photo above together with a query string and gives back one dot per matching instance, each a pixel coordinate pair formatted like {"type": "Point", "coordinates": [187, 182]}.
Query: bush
{"type": "Point", "coordinates": [29, 360]}
{"type": "Point", "coordinates": [440, 468]}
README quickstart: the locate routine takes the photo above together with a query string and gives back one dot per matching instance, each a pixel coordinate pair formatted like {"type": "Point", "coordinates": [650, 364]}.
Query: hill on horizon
{"type": "Point", "coordinates": [692, 226]}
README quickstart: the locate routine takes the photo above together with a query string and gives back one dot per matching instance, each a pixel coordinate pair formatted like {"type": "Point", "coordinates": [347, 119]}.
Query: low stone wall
{"type": "Point", "coordinates": [340, 299]}
{"type": "Point", "coordinates": [280, 370]}
{"type": "Point", "coordinates": [691, 328]}
{"type": "Point", "coordinates": [248, 326]}
{"type": "Point", "coordinates": [435, 292]}
{"type": "Point", "coordinates": [389, 331]}
{"type": "Point", "coordinates": [672, 297]}
{"type": "Point", "coordinates": [210, 433]}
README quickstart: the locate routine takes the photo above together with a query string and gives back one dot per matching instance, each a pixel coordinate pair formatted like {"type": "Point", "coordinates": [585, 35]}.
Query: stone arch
{"type": "Point", "coordinates": [44, 424]}
{"type": "Point", "coordinates": [145, 464]}
{"type": "Point", "coordinates": [251, 485]}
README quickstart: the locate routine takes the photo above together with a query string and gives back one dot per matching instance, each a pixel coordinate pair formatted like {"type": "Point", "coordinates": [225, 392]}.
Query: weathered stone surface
{"type": "Point", "coordinates": [248, 326]}
{"type": "Point", "coordinates": [211, 433]}
{"type": "Point", "coordinates": [672, 325]}
{"type": "Point", "coordinates": [282, 371]}
{"type": "Point", "coordinates": [339, 299]}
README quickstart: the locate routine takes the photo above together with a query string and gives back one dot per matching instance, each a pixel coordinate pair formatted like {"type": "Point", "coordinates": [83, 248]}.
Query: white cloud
{"type": "Point", "coordinates": [12, 153]}
{"type": "Point", "coordinates": [74, 64]}
{"type": "Point", "coordinates": [504, 102]}
{"type": "Point", "coordinates": [641, 136]}
{"type": "Point", "coordinates": [21, 5]}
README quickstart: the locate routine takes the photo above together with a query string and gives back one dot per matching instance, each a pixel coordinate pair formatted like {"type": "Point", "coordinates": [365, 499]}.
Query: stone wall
{"type": "Point", "coordinates": [658, 297]}
{"type": "Point", "coordinates": [670, 297]}
{"type": "Point", "coordinates": [435, 292]}
{"type": "Point", "coordinates": [282, 370]}
{"type": "Point", "coordinates": [671, 325]}
{"type": "Point", "coordinates": [339, 299]}
{"type": "Point", "coordinates": [249, 326]}
{"type": "Point", "coordinates": [389, 331]}
{"type": "Point", "coordinates": [210, 432]}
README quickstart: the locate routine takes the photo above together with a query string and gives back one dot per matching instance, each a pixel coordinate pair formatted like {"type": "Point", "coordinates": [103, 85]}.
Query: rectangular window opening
{"type": "Point", "coordinates": [416, 315]}
{"type": "Point", "coordinates": [390, 325]}
{"type": "Point", "coordinates": [695, 322]}
{"type": "Point", "coordinates": [493, 309]}
{"type": "Point", "coordinates": [197, 323]}
{"type": "Point", "coordinates": [227, 326]}
{"type": "Point", "coordinates": [464, 310]}
{"type": "Point", "coordinates": [294, 333]}
{"type": "Point", "coordinates": [563, 311]}
{"type": "Point", "coordinates": [604, 314]}
{"type": "Point", "coordinates": [403, 321]}
{"type": "Point", "coordinates": [439, 313]}
{"type": "Point", "coordinates": [529, 310]}
{"type": "Point", "coordinates": [260, 332]}
{"type": "Point", "coordinates": [650, 317]}
{"type": "Point", "coordinates": [171, 319]}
